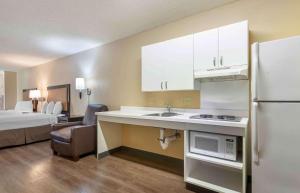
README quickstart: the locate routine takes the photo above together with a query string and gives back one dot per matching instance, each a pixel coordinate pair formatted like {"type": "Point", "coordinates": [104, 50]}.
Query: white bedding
{"type": "Point", "coordinates": [9, 112]}
{"type": "Point", "coordinates": [16, 120]}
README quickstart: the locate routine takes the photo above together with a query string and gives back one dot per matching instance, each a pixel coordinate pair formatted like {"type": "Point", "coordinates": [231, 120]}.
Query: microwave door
{"type": "Point", "coordinates": [207, 144]}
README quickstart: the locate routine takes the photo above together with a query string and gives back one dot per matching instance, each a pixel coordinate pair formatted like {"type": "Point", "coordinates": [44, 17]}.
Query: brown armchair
{"type": "Point", "coordinates": [76, 138]}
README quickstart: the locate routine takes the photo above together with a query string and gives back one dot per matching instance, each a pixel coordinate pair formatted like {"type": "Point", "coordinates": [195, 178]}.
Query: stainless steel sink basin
{"type": "Point", "coordinates": [164, 114]}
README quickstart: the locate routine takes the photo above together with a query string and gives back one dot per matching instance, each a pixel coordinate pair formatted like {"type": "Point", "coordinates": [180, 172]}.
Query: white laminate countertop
{"type": "Point", "coordinates": [184, 117]}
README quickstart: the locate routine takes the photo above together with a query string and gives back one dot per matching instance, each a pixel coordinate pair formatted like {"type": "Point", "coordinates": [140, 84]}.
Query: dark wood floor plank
{"type": "Point", "coordinates": [33, 169]}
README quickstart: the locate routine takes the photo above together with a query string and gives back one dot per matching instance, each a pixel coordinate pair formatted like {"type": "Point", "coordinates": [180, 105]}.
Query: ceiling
{"type": "Point", "coordinates": [34, 32]}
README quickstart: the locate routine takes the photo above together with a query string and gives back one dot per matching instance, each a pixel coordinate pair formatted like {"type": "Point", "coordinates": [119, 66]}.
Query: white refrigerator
{"type": "Point", "coordinates": [276, 116]}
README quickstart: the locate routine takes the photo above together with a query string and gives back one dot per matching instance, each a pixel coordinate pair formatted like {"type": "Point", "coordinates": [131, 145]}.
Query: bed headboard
{"type": "Point", "coordinates": [60, 93]}
{"type": "Point", "coordinates": [25, 94]}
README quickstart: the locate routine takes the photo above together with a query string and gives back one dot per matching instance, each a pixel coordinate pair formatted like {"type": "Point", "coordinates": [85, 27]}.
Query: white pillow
{"type": "Point", "coordinates": [50, 108]}
{"type": "Point", "coordinates": [44, 108]}
{"type": "Point", "coordinates": [57, 108]}
{"type": "Point", "coordinates": [24, 106]}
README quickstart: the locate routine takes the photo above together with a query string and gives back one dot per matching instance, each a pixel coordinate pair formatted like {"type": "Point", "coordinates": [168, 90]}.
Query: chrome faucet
{"type": "Point", "coordinates": [169, 107]}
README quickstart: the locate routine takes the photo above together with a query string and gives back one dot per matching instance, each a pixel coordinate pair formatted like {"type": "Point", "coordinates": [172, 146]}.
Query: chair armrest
{"type": "Point", "coordinates": [59, 126]}
{"type": "Point", "coordinates": [83, 131]}
{"type": "Point", "coordinates": [83, 137]}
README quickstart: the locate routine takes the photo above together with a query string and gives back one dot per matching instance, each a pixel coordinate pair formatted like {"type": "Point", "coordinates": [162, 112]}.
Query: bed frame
{"type": "Point", "coordinates": [60, 93]}
{"type": "Point", "coordinates": [21, 136]}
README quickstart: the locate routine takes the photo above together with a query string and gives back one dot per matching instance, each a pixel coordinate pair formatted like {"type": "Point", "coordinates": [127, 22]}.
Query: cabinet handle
{"type": "Point", "coordinates": [221, 60]}
{"type": "Point", "coordinates": [254, 72]}
{"type": "Point", "coordinates": [214, 61]}
{"type": "Point", "coordinates": [166, 84]}
{"type": "Point", "coordinates": [255, 132]}
{"type": "Point", "coordinates": [161, 85]}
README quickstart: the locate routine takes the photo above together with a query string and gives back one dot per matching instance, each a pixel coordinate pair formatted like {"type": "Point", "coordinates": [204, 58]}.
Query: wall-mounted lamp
{"type": "Point", "coordinates": [35, 95]}
{"type": "Point", "coordinates": [80, 85]}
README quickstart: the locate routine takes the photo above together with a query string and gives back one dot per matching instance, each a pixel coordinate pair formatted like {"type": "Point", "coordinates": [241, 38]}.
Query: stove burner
{"type": "Point", "coordinates": [206, 116]}
{"type": "Point", "coordinates": [217, 117]}
{"type": "Point", "coordinates": [226, 117]}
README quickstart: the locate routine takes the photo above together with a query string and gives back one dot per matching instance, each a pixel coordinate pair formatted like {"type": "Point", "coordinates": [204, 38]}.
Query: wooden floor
{"type": "Point", "coordinates": [33, 169]}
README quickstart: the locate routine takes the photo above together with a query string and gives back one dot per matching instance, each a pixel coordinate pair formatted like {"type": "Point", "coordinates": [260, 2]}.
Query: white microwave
{"type": "Point", "coordinates": [215, 145]}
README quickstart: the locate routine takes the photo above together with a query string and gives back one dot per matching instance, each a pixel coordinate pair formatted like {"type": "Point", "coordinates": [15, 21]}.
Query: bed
{"type": "Point", "coordinates": [18, 127]}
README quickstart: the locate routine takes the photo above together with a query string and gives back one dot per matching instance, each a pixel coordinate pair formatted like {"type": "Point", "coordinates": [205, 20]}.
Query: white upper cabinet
{"type": "Point", "coordinates": [233, 44]}
{"type": "Point", "coordinates": [222, 52]}
{"type": "Point", "coordinates": [152, 69]}
{"type": "Point", "coordinates": [176, 64]}
{"type": "Point", "coordinates": [206, 48]}
{"type": "Point", "coordinates": [168, 65]}
{"type": "Point", "coordinates": [179, 65]}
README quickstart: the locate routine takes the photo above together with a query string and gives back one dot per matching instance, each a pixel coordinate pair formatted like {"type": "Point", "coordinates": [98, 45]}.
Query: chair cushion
{"type": "Point", "coordinates": [63, 135]}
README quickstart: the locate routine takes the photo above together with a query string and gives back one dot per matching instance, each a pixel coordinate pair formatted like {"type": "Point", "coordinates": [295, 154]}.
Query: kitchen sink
{"type": "Point", "coordinates": [164, 114]}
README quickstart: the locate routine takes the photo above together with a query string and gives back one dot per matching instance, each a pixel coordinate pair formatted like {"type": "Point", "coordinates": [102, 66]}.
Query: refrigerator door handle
{"type": "Point", "coordinates": [255, 133]}
{"type": "Point", "coordinates": [255, 62]}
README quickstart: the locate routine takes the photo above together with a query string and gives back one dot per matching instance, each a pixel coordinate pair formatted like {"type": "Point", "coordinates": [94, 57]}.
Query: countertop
{"type": "Point", "coordinates": [184, 117]}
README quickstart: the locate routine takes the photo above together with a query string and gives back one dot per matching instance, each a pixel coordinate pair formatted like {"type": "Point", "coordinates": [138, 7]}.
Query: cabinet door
{"type": "Point", "coordinates": [153, 68]}
{"type": "Point", "coordinates": [178, 60]}
{"type": "Point", "coordinates": [233, 44]}
{"type": "Point", "coordinates": [206, 50]}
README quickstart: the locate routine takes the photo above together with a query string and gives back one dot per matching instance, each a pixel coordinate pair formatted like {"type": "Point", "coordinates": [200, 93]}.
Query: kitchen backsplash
{"type": "Point", "coordinates": [233, 95]}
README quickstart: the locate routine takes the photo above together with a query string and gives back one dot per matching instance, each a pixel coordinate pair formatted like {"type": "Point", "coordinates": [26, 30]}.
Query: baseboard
{"type": "Point", "coordinates": [158, 161]}
{"type": "Point", "coordinates": [109, 152]}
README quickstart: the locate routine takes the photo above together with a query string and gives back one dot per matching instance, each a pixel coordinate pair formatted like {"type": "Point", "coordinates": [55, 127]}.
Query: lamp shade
{"type": "Point", "coordinates": [34, 94]}
{"type": "Point", "coordinates": [80, 84]}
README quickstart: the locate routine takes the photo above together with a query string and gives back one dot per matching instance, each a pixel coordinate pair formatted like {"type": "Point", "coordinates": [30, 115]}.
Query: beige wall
{"type": "Point", "coordinates": [113, 71]}
{"type": "Point", "coordinates": [10, 89]}
{"type": "Point", "coordinates": [1, 82]}
{"type": "Point", "coordinates": [1, 90]}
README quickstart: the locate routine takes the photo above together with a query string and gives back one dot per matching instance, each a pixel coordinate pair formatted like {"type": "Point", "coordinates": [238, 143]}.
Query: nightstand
{"type": "Point", "coordinates": [72, 118]}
